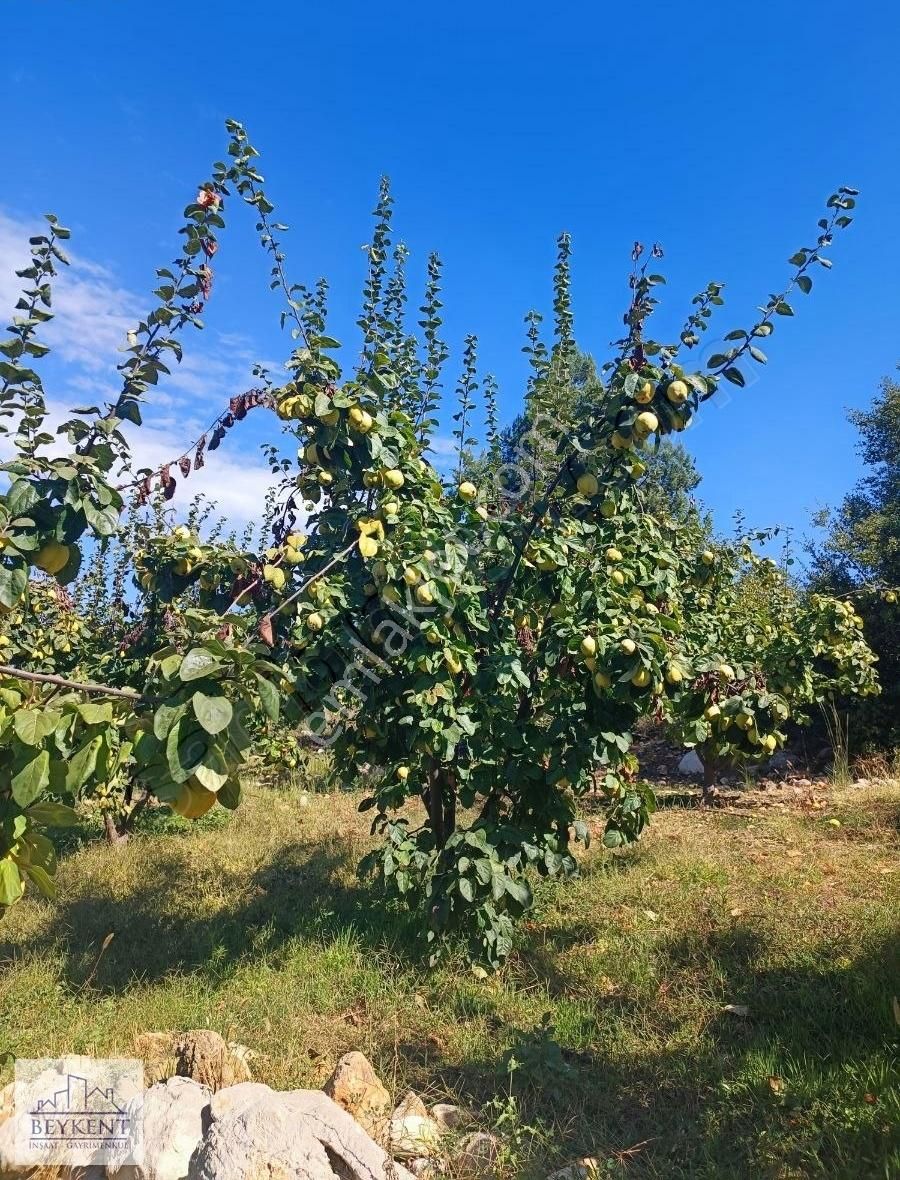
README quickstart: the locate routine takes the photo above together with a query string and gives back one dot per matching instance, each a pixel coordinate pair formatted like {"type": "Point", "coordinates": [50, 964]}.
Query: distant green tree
{"type": "Point", "coordinates": [671, 478]}
{"type": "Point", "coordinates": [669, 484]}
{"type": "Point", "coordinates": [862, 549]}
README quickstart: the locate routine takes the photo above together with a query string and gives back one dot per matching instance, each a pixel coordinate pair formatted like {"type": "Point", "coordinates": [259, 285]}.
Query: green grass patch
{"type": "Point", "coordinates": [716, 1002]}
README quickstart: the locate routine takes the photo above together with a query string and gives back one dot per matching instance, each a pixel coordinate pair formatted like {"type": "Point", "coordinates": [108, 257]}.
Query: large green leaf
{"type": "Point", "coordinates": [96, 712]}
{"type": "Point", "coordinates": [10, 882]}
{"type": "Point", "coordinates": [52, 815]}
{"type": "Point", "coordinates": [165, 717]}
{"type": "Point", "coordinates": [270, 697]}
{"type": "Point", "coordinates": [40, 851]}
{"type": "Point", "coordinates": [213, 713]}
{"type": "Point", "coordinates": [210, 778]}
{"type": "Point", "coordinates": [186, 746]}
{"type": "Point", "coordinates": [82, 765]}
{"type": "Point", "coordinates": [230, 795]}
{"type": "Point", "coordinates": [13, 580]}
{"type": "Point", "coordinates": [197, 663]}
{"type": "Point", "coordinates": [104, 521]}
{"type": "Point", "coordinates": [32, 779]}
{"type": "Point", "coordinates": [42, 880]}
{"type": "Point", "coordinates": [21, 496]}
{"type": "Point", "coordinates": [33, 725]}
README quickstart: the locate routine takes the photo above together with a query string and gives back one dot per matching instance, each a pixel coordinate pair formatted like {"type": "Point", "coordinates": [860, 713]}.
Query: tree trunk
{"type": "Point", "coordinates": [440, 802]}
{"type": "Point", "coordinates": [116, 830]}
{"type": "Point", "coordinates": [119, 827]}
{"type": "Point", "coordinates": [710, 773]}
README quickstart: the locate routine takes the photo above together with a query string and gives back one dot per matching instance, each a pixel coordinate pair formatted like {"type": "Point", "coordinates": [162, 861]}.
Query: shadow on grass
{"type": "Point", "coordinates": [803, 1084]}
{"type": "Point", "coordinates": [699, 1099]}
{"type": "Point", "coordinates": [157, 931]}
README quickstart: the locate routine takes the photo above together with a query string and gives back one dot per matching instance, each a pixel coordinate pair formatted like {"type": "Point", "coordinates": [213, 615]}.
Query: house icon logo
{"type": "Point", "coordinates": [78, 1111]}
{"type": "Point", "coordinates": [81, 1109]}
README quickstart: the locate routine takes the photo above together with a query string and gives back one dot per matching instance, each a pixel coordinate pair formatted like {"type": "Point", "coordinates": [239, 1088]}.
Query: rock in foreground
{"type": "Point", "coordinates": [255, 1132]}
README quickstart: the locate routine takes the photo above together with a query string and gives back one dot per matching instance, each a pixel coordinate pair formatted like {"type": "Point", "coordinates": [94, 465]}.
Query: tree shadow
{"type": "Point", "coordinates": [718, 1106]}
{"type": "Point", "coordinates": [688, 1103]}
{"type": "Point", "coordinates": [101, 936]}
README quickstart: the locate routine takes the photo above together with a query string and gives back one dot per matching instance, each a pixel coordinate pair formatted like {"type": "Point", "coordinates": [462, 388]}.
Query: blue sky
{"type": "Point", "coordinates": [717, 133]}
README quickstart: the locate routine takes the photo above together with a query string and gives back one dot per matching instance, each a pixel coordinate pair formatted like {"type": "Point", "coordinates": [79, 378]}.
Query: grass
{"type": "Point", "coordinates": [613, 1008]}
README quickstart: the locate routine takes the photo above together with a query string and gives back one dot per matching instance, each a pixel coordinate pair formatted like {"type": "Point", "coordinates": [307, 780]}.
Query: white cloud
{"type": "Point", "coordinates": [93, 312]}
{"type": "Point", "coordinates": [86, 331]}
{"type": "Point", "coordinates": [234, 481]}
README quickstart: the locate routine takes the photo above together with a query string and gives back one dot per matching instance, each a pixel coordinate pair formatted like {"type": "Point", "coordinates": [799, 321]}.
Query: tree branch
{"type": "Point", "coordinates": [61, 682]}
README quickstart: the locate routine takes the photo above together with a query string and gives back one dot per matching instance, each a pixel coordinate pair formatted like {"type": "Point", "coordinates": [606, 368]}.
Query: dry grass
{"type": "Point", "coordinates": [614, 1005]}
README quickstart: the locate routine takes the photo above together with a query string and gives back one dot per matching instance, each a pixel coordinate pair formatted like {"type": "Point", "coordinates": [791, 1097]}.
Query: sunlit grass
{"type": "Point", "coordinates": [614, 1007]}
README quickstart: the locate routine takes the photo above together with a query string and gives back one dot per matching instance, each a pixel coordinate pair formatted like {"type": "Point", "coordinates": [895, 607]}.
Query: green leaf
{"type": "Point", "coordinates": [198, 663]}
{"type": "Point", "coordinates": [466, 889]}
{"type": "Point", "coordinates": [82, 764]}
{"type": "Point", "coordinates": [185, 749]}
{"type": "Point", "coordinates": [42, 880]}
{"type": "Point", "coordinates": [210, 778]}
{"type": "Point", "coordinates": [805, 284]}
{"type": "Point", "coordinates": [483, 870]}
{"type": "Point", "coordinates": [735, 376]}
{"type": "Point", "coordinates": [40, 851]}
{"type": "Point", "coordinates": [94, 713]}
{"type": "Point", "coordinates": [230, 795]}
{"type": "Point", "coordinates": [21, 497]}
{"type": "Point", "coordinates": [270, 697]}
{"type": "Point", "coordinates": [13, 582]}
{"type": "Point", "coordinates": [52, 815]}
{"type": "Point", "coordinates": [213, 713]}
{"type": "Point", "coordinates": [11, 887]}
{"type": "Point", "coordinates": [33, 725]}
{"type": "Point", "coordinates": [32, 779]}
{"type": "Point", "coordinates": [165, 717]}
{"type": "Point", "coordinates": [104, 521]}
{"type": "Point", "coordinates": [519, 891]}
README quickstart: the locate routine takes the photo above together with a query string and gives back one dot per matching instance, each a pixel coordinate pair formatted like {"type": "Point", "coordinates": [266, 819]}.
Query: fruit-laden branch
{"type": "Point", "coordinates": [266, 620]}
{"type": "Point", "coordinates": [630, 351]}
{"type": "Point", "coordinates": [536, 515]}
{"type": "Point", "coordinates": [62, 682]}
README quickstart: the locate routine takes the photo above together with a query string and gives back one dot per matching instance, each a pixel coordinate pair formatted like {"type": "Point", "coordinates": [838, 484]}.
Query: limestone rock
{"type": "Point", "coordinates": [448, 1116]}
{"type": "Point", "coordinates": [258, 1134]}
{"type": "Point", "coordinates": [200, 1054]}
{"type": "Point", "coordinates": [157, 1051]}
{"type": "Point", "coordinates": [584, 1169]}
{"type": "Point", "coordinates": [356, 1087]}
{"type": "Point", "coordinates": [477, 1156]}
{"type": "Point", "coordinates": [423, 1168]}
{"type": "Point", "coordinates": [690, 763]}
{"type": "Point", "coordinates": [176, 1113]}
{"type": "Point", "coordinates": [206, 1057]}
{"type": "Point", "coordinates": [412, 1131]}
{"type": "Point", "coordinates": [410, 1104]}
